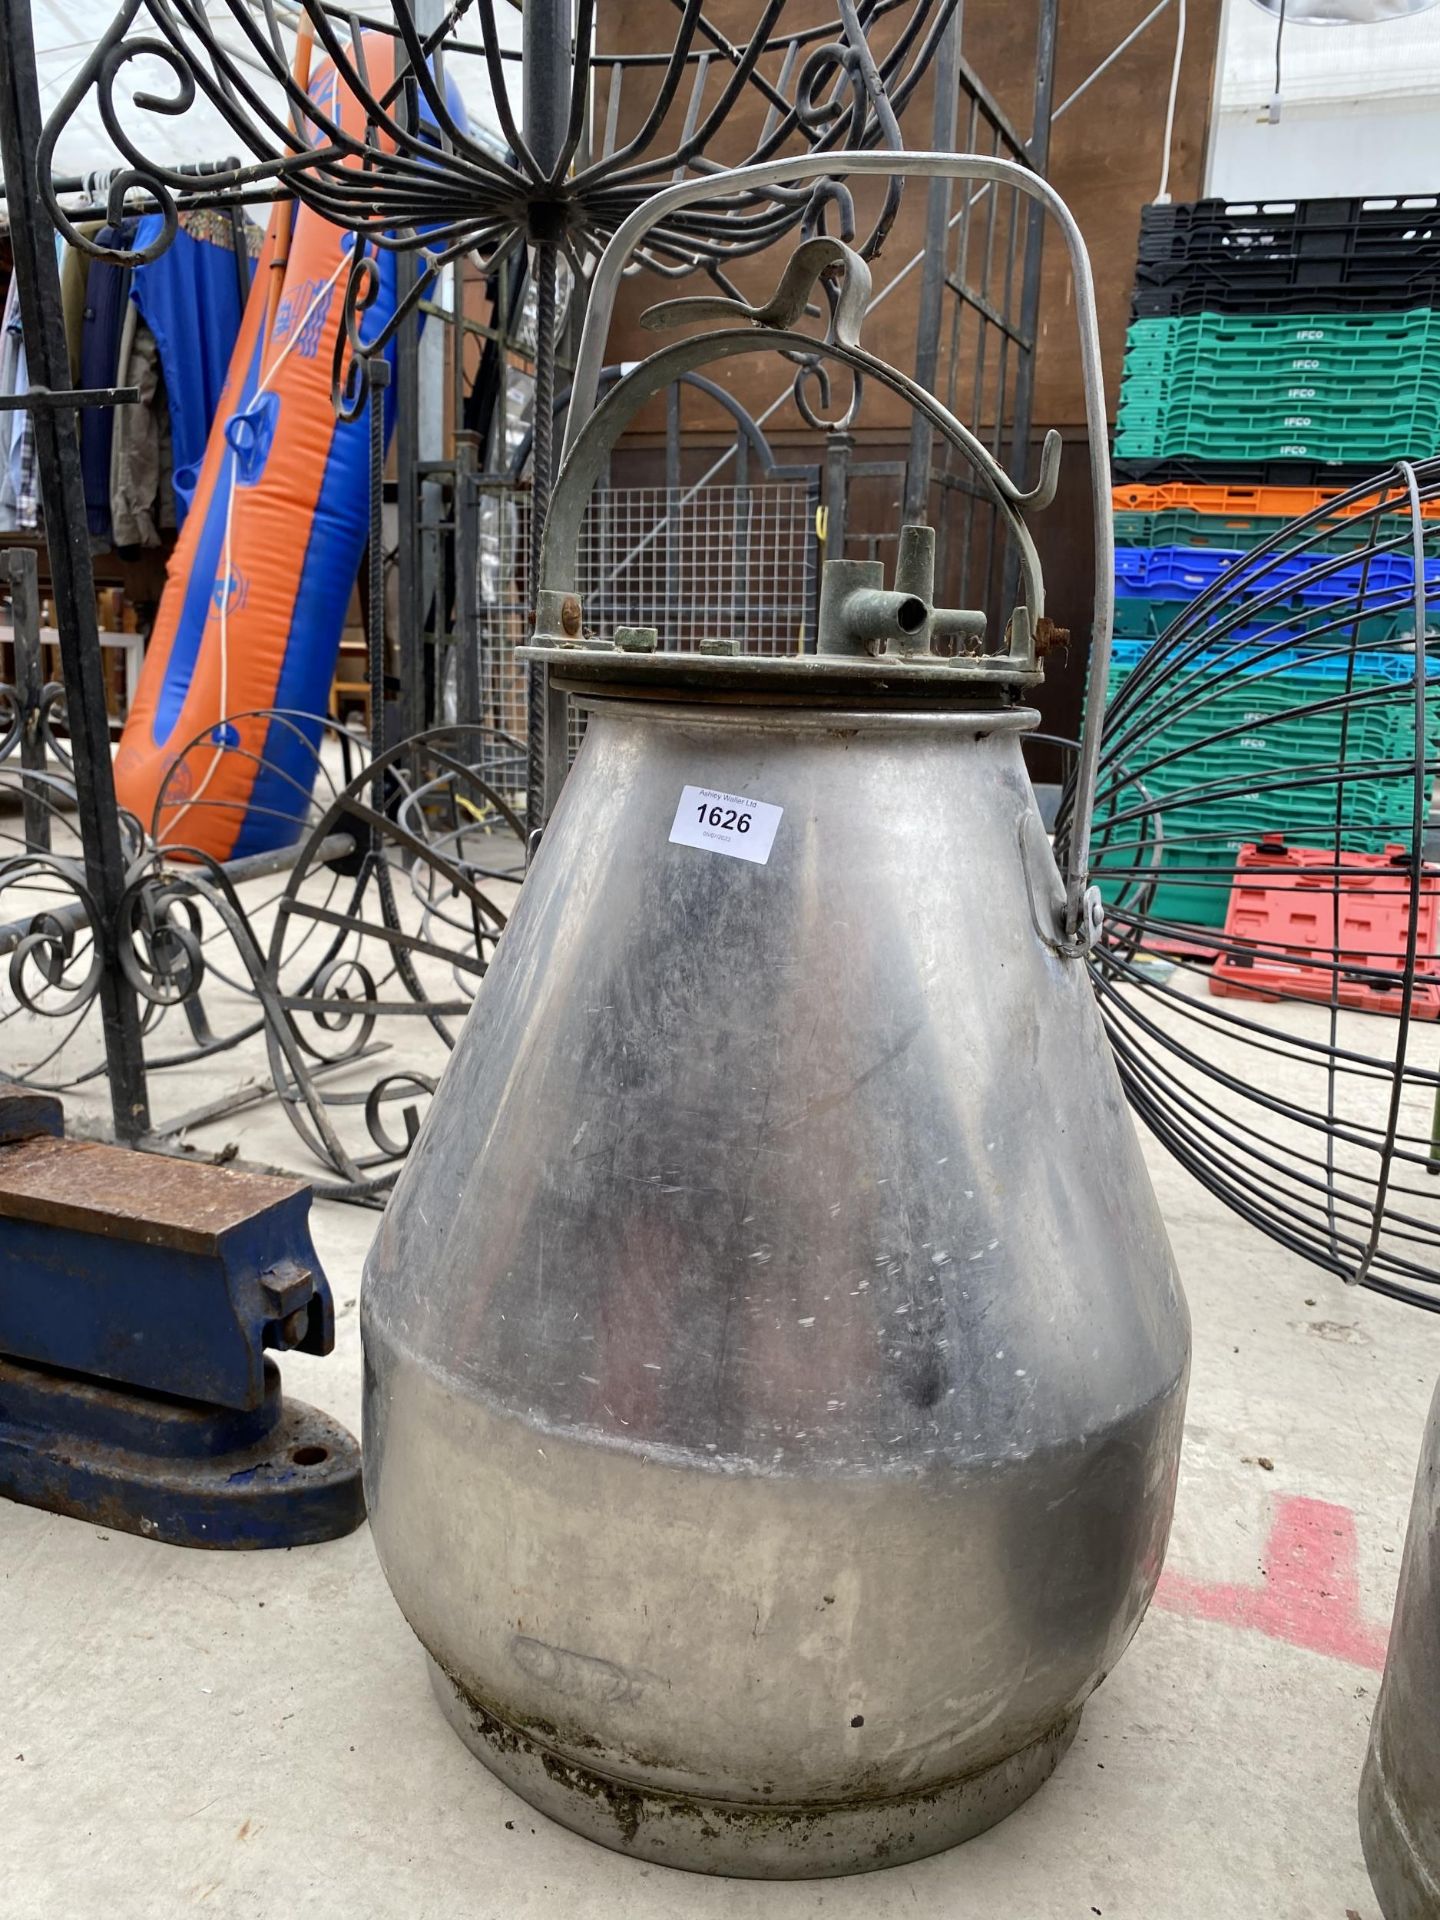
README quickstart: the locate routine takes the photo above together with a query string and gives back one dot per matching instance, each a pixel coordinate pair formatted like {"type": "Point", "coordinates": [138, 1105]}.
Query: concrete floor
{"type": "Point", "coordinates": [253, 1735]}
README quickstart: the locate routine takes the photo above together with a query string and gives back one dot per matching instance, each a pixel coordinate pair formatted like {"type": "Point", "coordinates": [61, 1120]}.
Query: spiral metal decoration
{"type": "Point", "coordinates": [50, 965]}
{"type": "Point", "coordinates": [352, 958]}
{"type": "Point", "coordinates": [387, 924]}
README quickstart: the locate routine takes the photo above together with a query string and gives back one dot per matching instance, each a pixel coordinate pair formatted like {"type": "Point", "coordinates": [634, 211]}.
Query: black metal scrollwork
{"type": "Point", "coordinates": [373, 922]}
{"type": "Point", "coordinates": [417, 179]}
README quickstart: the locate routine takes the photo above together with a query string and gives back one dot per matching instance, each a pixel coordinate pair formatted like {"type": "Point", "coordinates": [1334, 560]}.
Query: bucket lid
{"type": "Point", "coordinates": [870, 642]}
{"type": "Point", "coordinates": [599, 667]}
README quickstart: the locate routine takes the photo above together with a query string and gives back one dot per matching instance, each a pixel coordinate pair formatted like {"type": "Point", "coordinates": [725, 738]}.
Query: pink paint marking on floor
{"type": "Point", "coordinates": [1309, 1593]}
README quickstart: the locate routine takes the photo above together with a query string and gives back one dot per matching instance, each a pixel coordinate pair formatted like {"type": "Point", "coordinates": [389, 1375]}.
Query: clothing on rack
{"type": "Point", "coordinates": [24, 462]}
{"type": "Point", "coordinates": [107, 293]}
{"type": "Point", "coordinates": [190, 299]}
{"type": "Point", "coordinates": [19, 499]}
{"type": "Point", "coordinates": [167, 328]}
{"type": "Point", "coordinates": [74, 272]}
{"type": "Point", "coordinates": [142, 498]}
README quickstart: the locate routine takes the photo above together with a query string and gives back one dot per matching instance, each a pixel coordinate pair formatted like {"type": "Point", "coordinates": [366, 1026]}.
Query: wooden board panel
{"type": "Point", "coordinates": [1105, 160]}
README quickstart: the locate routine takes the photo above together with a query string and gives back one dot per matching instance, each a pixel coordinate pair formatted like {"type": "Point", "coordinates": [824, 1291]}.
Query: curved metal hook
{"type": "Point", "coordinates": [790, 299]}
{"type": "Point", "coordinates": [349, 366]}
{"type": "Point", "coordinates": [813, 368]}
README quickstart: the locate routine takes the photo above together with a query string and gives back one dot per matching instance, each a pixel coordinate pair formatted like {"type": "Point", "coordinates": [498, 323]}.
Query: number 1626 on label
{"type": "Point", "coordinates": [729, 823]}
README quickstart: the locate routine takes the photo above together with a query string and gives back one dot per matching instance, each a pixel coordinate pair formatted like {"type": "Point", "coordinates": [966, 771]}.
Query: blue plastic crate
{"type": "Point", "coordinates": [1161, 573]}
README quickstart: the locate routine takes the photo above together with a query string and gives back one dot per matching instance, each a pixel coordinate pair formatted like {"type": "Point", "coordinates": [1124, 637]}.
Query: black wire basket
{"type": "Point", "coordinates": [1269, 971]}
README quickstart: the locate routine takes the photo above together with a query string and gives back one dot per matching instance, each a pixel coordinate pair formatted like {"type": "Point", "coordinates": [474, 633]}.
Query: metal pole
{"type": "Point", "coordinates": [430, 443]}
{"type": "Point", "coordinates": [57, 449]}
{"type": "Point", "coordinates": [545, 67]}
{"type": "Point", "coordinates": [410, 609]}
{"type": "Point", "coordinates": [467, 586]}
{"type": "Point", "coordinates": [673, 534]}
{"type": "Point", "coordinates": [548, 712]}
{"type": "Point", "coordinates": [419, 410]}
{"type": "Point", "coordinates": [20, 570]}
{"type": "Point", "coordinates": [932, 282]}
{"type": "Point", "coordinates": [1038, 154]}
{"type": "Point", "coordinates": [838, 448]}
{"type": "Point", "coordinates": [378, 369]}
{"type": "Point", "coordinates": [545, 78]}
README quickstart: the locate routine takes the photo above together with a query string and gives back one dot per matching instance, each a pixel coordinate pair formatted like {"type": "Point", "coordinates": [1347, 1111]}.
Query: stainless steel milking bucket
{"type": "Point", "coordinates": [774, 1359]}
{"type": "Point", "coordinates": [1400, 1787]}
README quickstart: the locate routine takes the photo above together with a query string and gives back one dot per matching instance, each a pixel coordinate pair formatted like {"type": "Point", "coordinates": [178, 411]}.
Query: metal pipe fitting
{"type": "Point", "coordinates": [876, 619]}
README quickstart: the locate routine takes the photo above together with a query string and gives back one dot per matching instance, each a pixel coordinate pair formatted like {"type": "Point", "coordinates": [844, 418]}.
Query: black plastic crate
{"type": "Point", "coordinates": [1203, 294]}
{"type": "Point", "coordinates": [1243, 473]}
{"type": "Point", "coordinates": [1305, 234]}
{"type": "Point", "coordinates": [1267, 257]}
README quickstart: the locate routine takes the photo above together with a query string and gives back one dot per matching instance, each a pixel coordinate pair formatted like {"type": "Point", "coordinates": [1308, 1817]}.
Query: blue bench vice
{"type": "Point", "coordinates": [138, 1296]}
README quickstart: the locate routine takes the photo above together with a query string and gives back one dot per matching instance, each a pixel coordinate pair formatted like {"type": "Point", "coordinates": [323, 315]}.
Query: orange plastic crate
{"type": "Point", "coordinates": [1280, 929]}
{"type": "Point", "coordinates": [1283, 503]}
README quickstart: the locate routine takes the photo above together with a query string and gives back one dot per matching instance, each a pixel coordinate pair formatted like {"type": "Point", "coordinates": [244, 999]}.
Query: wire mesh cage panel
{"type": "Point", "coordinates": [732, 563]}
{"type": "Point", "coordinates": [1270, 969]}
{"type": "Point", "coordinates": [724, 563]}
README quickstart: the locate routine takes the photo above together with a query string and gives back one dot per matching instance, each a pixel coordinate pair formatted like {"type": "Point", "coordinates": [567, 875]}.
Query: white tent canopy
{"type": "Point", "coordinates": [1359, 109]}
{"type": "Point", "coordinates": [1397, 59]}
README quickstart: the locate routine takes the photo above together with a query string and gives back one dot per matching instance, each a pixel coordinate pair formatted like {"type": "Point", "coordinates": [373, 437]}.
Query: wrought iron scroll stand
{"type": "Point", "coordinates": [58, 456]}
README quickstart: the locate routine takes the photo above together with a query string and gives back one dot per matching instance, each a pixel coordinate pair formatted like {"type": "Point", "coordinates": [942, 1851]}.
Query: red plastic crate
{"type": "Point", "coordinates": [1282, 914]}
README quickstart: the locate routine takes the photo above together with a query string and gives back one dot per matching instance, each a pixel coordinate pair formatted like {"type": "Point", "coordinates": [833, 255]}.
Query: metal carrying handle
{"type": "Point", "coordinates": [590, 359]}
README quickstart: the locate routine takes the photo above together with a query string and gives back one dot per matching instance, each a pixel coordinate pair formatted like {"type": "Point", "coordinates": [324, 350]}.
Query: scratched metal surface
{"type": "Point", "coordinates": [777, 1362]}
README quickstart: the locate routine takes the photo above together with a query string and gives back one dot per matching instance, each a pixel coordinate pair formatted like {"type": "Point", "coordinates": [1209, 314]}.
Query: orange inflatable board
{"type": "Point", "coordinates": [262, 574]}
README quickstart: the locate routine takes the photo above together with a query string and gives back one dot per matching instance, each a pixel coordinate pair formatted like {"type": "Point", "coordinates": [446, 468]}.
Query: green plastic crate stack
{"type": "Point", "coordinates": [1239, 533]}
{"type": "Point", "coordinates": [1296, 386]}
{"type": "Point", "coordinates": [1139, 617]}
{"type": "Point", "coordinates": [1221, 800]}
